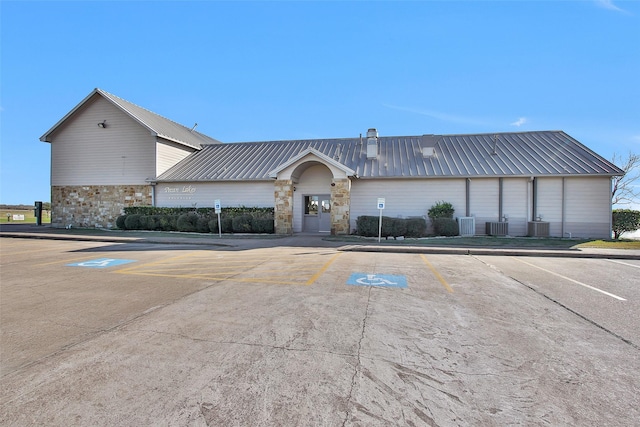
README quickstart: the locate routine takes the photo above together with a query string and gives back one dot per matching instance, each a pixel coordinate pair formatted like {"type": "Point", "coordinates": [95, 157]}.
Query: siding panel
{"type": "Point", "coordinates": [550, 203]}
{"type": "Point", "coordinates": [169, 154]}
{"type": "Point", "coordinates": [203, 194]}
{"type": "Point", "coordinates": [484, 202]}
{"type": "Point", "coordinates": [84, 154]}
{"type": "Point", "coordinates": [587, 207]}
{"type": "Point", "coordinates": [514, 204]}
{"type": "Point", "coordinates": [405, 198]}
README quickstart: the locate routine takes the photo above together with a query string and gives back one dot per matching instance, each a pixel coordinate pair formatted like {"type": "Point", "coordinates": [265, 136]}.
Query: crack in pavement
{"type": "Point", "coordinates": [582, 316]}
{"type": "Point", "coordinates": [358, 365]}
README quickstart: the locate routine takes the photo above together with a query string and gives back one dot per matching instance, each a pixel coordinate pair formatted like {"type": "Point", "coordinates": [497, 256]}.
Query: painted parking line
{"type": "Point", "coordinates": [573, 281]}
{"type": "Point", "coordinates": [252, 268]}
{"type": "Point", "coordinates": [623, 263]}
{"type": "Point", "coordinates": [437, 274]}
{"type": "Point", "coordinates": [101, 263]}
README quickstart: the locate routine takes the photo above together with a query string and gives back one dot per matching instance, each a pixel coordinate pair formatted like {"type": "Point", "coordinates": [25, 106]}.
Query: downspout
{"type": "Point", "coordinates": [500, 184]}
{"type": "Point", "coordinates": [564, 205]}
{"type": "Point", "coordinates": [611, 208]}
{"type": "Point", "coordinates": [467, 189]}
{"type": "Point", "coordinates": [534, 207]}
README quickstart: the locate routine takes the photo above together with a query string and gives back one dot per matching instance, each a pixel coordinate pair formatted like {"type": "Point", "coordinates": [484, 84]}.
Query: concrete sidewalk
{"type": "Point", "coordinates": [240, 242]}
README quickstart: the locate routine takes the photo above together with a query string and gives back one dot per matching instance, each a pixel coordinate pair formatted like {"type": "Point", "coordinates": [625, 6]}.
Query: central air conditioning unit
{"type": "Point", "coordinates": [538, 229]}
{"type": "Point", "coordinates": [497, 228]}
{"type": "Point", "coordinates": [467, 225]}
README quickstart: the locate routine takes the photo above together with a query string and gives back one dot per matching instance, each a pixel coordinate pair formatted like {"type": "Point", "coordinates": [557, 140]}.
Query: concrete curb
{"type": "Point", "coordinates": [491, 252]}
{"type": "Point", "coordinates": [561, 253]}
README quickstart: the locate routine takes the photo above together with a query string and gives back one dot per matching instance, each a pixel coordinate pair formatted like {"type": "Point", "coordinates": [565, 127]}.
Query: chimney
{"type": "Point", "coordinates": [372, 143]}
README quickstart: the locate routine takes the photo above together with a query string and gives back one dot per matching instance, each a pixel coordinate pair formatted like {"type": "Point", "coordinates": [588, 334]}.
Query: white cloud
{"type": "Point", "coordinates": [608, 4]}
{"type": "Point", "coordinates": [520, 122]}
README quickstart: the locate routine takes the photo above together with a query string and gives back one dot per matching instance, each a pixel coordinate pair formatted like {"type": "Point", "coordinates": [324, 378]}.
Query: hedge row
{"type": "Point", "coordinates": [203, 220]}
{"type": "Point", "coordinates": [409, 227]}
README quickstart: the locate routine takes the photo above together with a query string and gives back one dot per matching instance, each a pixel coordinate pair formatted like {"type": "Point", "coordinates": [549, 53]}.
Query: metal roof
{"type": "Point", "coordinates": [542, 153]}
{"type": "Point", "coordinates": [158, 125]}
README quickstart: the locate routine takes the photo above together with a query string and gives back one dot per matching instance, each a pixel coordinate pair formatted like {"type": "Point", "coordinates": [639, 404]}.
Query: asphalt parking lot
{"type": "Point", "coordinates": [141, 334]}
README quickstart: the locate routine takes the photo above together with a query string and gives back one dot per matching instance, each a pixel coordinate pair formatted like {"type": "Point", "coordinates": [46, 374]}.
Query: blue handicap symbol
{"type": "Point", "coordinates": [101, 263]}
{"type": "Point", "coordinates": [386, 280]}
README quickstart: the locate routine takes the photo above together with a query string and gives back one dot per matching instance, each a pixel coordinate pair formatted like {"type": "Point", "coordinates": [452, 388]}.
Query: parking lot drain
{"type": "Point", "coordinates": [384, 280]}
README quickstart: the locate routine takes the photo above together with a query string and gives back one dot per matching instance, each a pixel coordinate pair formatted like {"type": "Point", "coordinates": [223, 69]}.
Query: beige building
{"type": "Point", "coordinates": [108, 153]}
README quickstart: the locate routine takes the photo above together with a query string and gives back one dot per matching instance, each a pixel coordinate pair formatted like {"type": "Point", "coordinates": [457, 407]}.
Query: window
{"type": "Point", "coordinates": [311, 205]}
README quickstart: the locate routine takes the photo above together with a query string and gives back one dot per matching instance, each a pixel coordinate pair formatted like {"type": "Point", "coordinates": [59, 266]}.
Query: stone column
{"type": "Point", "coordinates": [283, 214]}
{"type": "Point", "coordinates": [340, 205]}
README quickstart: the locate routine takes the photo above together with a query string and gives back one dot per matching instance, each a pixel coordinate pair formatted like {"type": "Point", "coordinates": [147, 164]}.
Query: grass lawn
{"type": "Point", "coordinates": [499, 242]}
{"type": "Point", "coordinates": [6, 216]}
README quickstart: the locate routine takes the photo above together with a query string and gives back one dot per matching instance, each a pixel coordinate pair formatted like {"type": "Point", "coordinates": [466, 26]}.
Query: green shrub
{"type": "Point", "coordinates": [227, 224]}
{"type": "Point", "coordinates": [410, 227]}
{"type": "Point", "coordinates": [188, 222]}
{"type": "Point", "coordinates": [416, 227]}
{"type": "Point", "coordinates": [263, 224]}
{"type": "Point", "coordinates": [202, 226]}
{"type": "Point", "coordinates": [445, 227]}
{"type": "Point", "coordinates": [213, 225]}
{"type": "Point", "coordinates": [441, 210]}
{"type": "Point", "coordinates": [132, 222]}
{"type": "Point", "coordinates": [242, 223]}
{"type": "Point", "coordinates": [367, 226]}
{"type": "Point", "coordinates": [624, 220]}
{"type": "Point", "coordinates": [120, 222]}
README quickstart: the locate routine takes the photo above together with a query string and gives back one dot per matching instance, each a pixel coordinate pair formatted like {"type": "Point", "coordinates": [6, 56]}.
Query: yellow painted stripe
{"type": "Point", "coordinates": [435, 273]}
{"type": "Point", "coordinates": [216, 278]}
{"type": "Point", "coordinates": [322, 270]}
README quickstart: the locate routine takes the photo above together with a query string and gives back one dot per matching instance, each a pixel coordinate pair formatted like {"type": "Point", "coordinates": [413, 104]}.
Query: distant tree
{"type": "Point", "coordinates": [626, 188]}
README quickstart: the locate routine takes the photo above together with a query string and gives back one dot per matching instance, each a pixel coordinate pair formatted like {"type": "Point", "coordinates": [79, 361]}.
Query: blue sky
{"type": "Point", "coordinates": [253, 71]}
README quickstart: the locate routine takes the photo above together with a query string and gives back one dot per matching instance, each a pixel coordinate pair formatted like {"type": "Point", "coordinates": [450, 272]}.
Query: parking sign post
{"type": "Point", "coordinates": [218, 209]}
{"type": "Point", "coordinates": [380, 208]}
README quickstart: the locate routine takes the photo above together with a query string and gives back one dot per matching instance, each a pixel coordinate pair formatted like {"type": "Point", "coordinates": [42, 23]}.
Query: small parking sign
{"type": "Point", "coordinates": [380, 203]}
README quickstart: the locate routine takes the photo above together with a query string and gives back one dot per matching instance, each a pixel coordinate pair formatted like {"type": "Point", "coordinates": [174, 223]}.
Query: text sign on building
{"type": "Point", "coordinates": [380, 202]}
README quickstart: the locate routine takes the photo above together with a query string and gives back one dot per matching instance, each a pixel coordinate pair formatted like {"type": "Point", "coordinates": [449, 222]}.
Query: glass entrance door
{"type": "Point", "coordinates": [317, 213]}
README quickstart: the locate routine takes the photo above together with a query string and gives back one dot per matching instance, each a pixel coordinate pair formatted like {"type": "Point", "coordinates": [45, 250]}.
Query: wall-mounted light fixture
{"type": "Point", "coordinates": [103, 124]}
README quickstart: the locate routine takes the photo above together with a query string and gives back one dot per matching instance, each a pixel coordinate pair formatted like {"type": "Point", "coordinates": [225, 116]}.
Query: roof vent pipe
{"type": "Point", "coordinates": [372, 143]}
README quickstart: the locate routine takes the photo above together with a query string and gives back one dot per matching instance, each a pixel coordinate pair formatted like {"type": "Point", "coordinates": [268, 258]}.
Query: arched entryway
{"type": "Point", "coordinates": [312, 194]}
{"type": "Point", "coordinates": [312, 199]}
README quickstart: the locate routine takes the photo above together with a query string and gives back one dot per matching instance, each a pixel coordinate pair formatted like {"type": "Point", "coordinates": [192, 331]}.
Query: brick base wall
{"type": "Point", "coordinates": [95, 205]}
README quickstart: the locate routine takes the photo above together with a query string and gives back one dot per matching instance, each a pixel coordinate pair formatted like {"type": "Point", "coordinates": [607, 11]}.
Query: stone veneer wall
{"type": "Point", "coordinates": [340, 206]}
{"type": "Point", "coordinates": [95, 205]}
{"type": "Point", "coordinates": [284, 206]}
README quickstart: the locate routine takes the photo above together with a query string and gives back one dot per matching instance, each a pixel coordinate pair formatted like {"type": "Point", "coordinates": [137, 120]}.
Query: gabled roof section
{"type": "Point", "coordinates": [514, 154]}
{"type": "Point", "coordinates": [156, 124]}
{"type": "Point", "coordinates": [312, 151]}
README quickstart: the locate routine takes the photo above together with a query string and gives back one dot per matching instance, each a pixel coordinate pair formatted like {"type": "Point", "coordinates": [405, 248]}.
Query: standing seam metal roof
{"type": "Point", "coordinates": [541, 153]}
{"type": "Point", "coordinates": [161, 126]}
